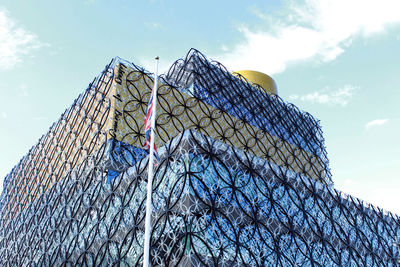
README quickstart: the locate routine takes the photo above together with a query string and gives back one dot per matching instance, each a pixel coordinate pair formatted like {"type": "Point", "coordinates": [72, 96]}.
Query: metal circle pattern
{"type": "Point", "coordinates": [243, 181]}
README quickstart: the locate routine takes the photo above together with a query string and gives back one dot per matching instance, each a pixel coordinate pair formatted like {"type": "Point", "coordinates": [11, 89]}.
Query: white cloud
{"type": "Point", "coordinates": [4, 115]}
{"type": "Point", "coordinates": [23, 90]}
{"type": "Point", "coordinates": [375, 123]}
{"type": "Point", "coordinates": [341, 96]}
{"type": "Point", "coordinates": [156, 25]}
{"type": "Point", "coordinates": [15, 42]}
{"type": "Point", "coordinates": [315, 30]}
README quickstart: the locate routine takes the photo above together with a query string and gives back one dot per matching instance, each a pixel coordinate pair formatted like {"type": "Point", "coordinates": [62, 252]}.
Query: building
{"type": "Point", "coordinates": [243, 180]}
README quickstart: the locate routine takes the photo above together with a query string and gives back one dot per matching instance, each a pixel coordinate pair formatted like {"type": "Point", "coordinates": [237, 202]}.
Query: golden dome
{"type": "Point", "coordinates": [260, 79]}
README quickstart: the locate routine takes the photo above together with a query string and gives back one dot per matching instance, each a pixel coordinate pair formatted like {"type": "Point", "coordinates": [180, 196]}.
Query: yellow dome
{"type": "Point", "coordinates": [260, 79]}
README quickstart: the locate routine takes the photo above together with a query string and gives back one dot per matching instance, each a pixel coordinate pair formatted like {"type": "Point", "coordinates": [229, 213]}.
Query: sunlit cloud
{"type": "Point", "coordinates": [376, 123]}
{"type": "Point", "coordinates": [15, 41]}
{"type": "Point", "coordinates": [340, 96]}
{"type": "Point", "coordinates": [318, 30]}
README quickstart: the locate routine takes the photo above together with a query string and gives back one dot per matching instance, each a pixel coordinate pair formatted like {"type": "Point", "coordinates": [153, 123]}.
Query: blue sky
{"type": "Point", "coordinates": [338, 60]}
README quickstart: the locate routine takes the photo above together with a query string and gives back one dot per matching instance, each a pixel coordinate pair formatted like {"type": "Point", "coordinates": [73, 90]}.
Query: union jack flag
{"type": "Point", "coordinates": [147, 127]}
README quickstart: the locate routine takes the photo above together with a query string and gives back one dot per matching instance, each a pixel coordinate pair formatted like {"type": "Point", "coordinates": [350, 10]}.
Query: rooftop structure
{"type": "Point", "coordinates": [243, 180]}
{"type": "Point", "coordinates": [260, 79]}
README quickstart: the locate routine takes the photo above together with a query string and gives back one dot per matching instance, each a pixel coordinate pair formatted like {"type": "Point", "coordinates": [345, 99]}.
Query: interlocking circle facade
{"type": "Point", "coordinates": [243, 180]}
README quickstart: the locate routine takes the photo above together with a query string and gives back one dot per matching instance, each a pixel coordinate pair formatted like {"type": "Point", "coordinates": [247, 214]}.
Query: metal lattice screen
{"type": "Point", "coordinates": [243, 180]}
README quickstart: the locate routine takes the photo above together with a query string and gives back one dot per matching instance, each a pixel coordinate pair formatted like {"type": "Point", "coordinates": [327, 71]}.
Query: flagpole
{"type": "Point", "coordinates": [147, 229]}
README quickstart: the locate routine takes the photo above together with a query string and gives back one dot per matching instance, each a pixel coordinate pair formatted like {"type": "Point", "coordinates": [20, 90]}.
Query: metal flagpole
{"type": "Point", "coordinates": [147, 229]}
